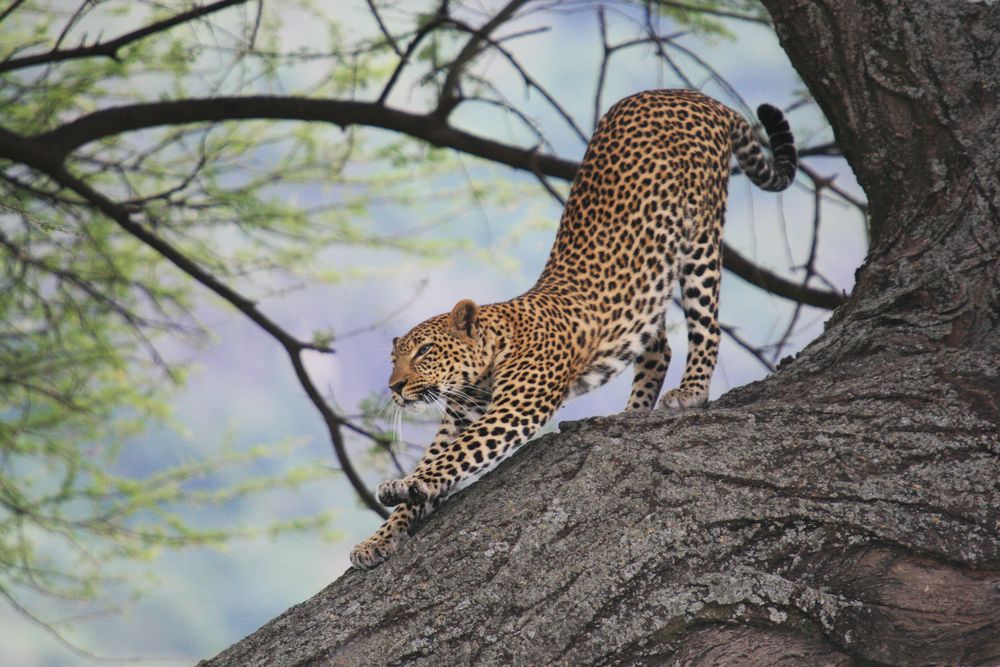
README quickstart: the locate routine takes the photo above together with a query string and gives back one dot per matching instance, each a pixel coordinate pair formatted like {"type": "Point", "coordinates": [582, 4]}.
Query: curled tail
{"type": "Point", "coordinates": [774, 174]}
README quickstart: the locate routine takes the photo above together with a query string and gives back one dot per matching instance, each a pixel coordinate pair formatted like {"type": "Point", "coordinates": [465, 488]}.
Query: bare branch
{"type": "Point", "coordinates": [440, 16]}
{"type": "Point", "coordinates": [110, 49]}
{"type": "Point", "coordinates": [658, 42]}
{"type": "Point", "coordinates": [754, 351]}
{"type": "Point", "coordinates": [82, 9]}
{"type": "Point", "coordinates": [390, 40]}
{"type": "Point", "coordinates": [754, 274]}
{"type": "Point", "coordinates": [529, 82]}
{"type": "Point", "coordinates": [58, 143]}
{"type": "Point", "coordinates": [10, 9]}
{"type": "Point", "coordinates": [829, 149]}
{"type": "Point", "coordinates": [607, 50]}
{"type": "Point", "coordinates": [55, 633]}
{"type": "Point", "coordinates": [833, 187]}
{"type": "Point", "coordinates": [450, 93]}
{"type": "Point", "coordinates": [810, 268]}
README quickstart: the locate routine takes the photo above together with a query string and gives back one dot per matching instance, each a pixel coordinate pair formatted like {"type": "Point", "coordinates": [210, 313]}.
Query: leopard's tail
{"type": "Point", "coordinates": [768, 174]}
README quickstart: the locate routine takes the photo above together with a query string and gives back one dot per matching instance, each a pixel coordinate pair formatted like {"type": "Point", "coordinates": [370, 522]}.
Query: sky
{"type": "Point", "coordinates": [243, 392]}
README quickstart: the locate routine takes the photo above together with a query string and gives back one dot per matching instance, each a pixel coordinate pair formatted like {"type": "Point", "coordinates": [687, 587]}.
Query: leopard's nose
{"type": "Point", "coordinates": [398, 387]}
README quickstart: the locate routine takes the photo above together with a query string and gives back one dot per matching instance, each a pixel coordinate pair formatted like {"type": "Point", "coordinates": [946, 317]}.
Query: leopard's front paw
{"type": "Point", "coordinates": [409, 490]}
{"type": "Point", "coordinates": [683, 398]}
{"type": "Point", "coordinates": [374, 551]}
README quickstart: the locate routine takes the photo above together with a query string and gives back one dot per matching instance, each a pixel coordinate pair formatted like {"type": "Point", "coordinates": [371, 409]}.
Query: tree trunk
{"type": "Point", "coordinates": [843, 511]}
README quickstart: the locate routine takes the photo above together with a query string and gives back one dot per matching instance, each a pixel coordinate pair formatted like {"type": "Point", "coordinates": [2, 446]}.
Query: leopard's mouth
{"type": "Point", "coordinates": [423, 398]}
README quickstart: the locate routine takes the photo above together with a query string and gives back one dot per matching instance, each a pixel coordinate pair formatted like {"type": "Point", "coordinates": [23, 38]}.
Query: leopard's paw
{"type": "Point", "coordinates": [374, 551]}
{"type": "Point", "coordinates": [409, 490]}
{"type": "Point", "coordinates": [676, 399]}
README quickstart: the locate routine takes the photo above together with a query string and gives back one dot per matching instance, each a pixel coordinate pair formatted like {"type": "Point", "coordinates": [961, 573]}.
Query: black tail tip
{"type": "Point", "coordinates": [779, 135]}
{"type": "Point", "coordinates": [769, 115]}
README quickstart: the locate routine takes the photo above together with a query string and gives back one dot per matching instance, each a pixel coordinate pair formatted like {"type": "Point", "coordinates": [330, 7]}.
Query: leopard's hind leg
{"type": "Point", "coordinates": [700, 276]}
{"type": "Point", "coordinates": [650, 371]}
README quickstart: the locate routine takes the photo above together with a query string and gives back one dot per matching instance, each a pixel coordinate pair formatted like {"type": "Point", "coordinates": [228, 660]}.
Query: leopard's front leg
{"type": "Point", "coordinates": [387, 539]}
{"type": "Point", "coordinates": [510, 421]}
{"type": "Point", "coordinates": [397, 528]}
{"type": "Point", "coordinates": [460, 411]}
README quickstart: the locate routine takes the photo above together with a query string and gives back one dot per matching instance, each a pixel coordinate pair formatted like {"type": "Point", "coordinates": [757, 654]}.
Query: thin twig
{"type": "Point", "coordinates": [809, 268]}
{"type": "Point", "coordinates": [450, 93]}
{"type": "Point", "coordinates": [529, 82]}
{"type": "Point", "coordinates": [439, 17]}
{"type": "Point", "coordinates": [602, 73]}
{"type": "Point", "coordinates": [10, 10]}
{"type": "Point", "coordinates": [382, 27]}
{"type": "Point", "coordinates": [110, 49]}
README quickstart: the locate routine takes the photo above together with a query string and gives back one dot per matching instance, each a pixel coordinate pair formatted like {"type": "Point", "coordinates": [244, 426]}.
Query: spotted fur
{"type": "Point", "coordinates": [645, 212]}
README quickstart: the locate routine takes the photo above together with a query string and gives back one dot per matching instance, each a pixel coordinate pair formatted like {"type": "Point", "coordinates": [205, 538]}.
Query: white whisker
{"type": "Point", "coordinates": [397, 422]}
{"type": "Point", "coordinates": [383, 413]}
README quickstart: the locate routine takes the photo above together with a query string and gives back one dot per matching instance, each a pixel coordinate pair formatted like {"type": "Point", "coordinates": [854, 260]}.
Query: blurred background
{"type": "Point", "coordinates": [167, 485]}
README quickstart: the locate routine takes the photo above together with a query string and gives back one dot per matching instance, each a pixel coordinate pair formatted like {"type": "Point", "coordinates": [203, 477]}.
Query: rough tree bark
{"type": "Point", "coordinates": [843, 511]}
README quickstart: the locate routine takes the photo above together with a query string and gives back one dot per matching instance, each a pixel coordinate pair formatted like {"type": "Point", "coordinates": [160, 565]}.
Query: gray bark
{"type": "Point", "coordinates": [843, 511]}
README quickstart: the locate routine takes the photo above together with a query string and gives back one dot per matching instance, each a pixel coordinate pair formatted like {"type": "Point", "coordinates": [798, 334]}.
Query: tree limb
{"type": "Point", "coordinates": [775, 284]}
{"type": "Point", "coordinates": [58, 143]}
{"type": "Point", "coordinates": [816, 512]}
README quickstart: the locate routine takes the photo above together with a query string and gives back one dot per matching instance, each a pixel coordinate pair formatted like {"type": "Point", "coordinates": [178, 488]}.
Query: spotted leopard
{"type": "Point", "coordinates": [645, 212]}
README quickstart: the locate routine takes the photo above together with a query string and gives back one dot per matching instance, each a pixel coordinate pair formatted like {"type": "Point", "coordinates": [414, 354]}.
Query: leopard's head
{"type": "Point", "coordinates": [441, 356]}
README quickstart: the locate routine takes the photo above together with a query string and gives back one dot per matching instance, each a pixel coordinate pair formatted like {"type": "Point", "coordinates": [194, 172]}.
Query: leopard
{"type": "Point", "coordinates": [645, 212]}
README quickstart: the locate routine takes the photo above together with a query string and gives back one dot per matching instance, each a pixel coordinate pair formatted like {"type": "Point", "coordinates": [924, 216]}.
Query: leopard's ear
{"type": "Point", "coordinates": [464, 318]}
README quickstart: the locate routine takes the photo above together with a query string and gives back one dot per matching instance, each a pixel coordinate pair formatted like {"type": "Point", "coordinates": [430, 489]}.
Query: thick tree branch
{"type": "Point", "coordinates": [58, 143]}
{"type": "Point", "coordinates": [848, 517]}
{"type": "Point", "coordinates": [111, 48]}
{"type": "Point", "coordinates": [343, 113]}
{"type": "Point", "coordinates": [775, 284]}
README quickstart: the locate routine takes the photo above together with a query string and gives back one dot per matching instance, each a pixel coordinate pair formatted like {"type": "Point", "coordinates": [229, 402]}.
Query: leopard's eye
{"type": "Point", "coordinates": [424, 349]}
